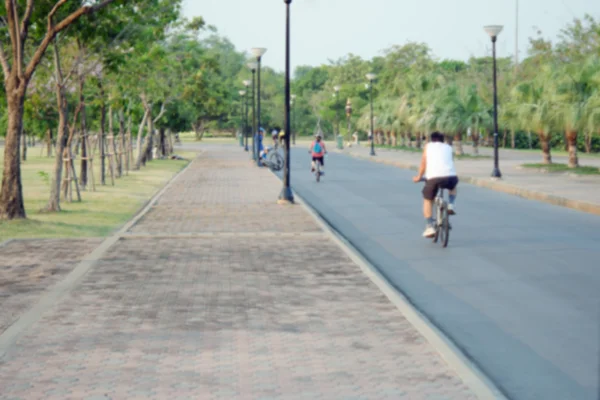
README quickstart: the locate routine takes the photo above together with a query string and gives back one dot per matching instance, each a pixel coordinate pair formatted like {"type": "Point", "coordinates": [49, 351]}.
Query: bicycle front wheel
{"type": "Point", "coordinates": [276, 161]}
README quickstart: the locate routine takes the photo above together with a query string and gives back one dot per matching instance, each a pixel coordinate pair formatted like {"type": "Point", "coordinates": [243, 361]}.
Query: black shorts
{"type": "Point", "coordinates": [433, 185]}
{"type": "Point", "coordinates": [320, 159]}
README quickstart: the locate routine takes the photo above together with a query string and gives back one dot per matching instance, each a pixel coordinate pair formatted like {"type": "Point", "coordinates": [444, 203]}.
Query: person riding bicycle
{"type": "Point", "coordinates": [318, 151]}
{"type": "Point", "coordinates": [274, 135]}
{"type": "Point", "coordinates": [281, 136]}
{"type": "Point", "coordinates": [437, 164]}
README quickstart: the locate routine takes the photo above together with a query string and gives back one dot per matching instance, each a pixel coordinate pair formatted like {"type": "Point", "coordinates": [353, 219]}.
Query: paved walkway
{"type": "Point", "coordinates": [220, 293]}
{"type": "Point", "coordinates": [576, 191]}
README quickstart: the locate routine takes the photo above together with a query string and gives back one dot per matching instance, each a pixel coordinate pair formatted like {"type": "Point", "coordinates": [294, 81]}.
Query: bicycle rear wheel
{"type": "Point", "coordinates": [445, 228]}
{"type": "Point", "coordinates": [438, 225]}
{"type": "Point", "coordinates": [276, 161]}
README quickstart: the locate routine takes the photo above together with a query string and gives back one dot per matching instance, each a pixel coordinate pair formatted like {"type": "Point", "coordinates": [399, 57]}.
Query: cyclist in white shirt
{"type": "Point", "coordinates": [437, 164]}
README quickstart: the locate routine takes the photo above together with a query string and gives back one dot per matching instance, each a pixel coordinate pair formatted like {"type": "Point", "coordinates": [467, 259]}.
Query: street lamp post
{"type": "Point", "coordinates": [371, 77]}
{"type": "Point", "coordinates": [246, 84]}
{"type": "Point", "coordinates": [348, 115]}
{"type": "Point", "coordinates": [258, 52]}
{"type": "Point", "coordinates": [286, 195]}
{"type": "Point", "coordinates": [253, 65]}
{"type": "Point", "coordinates": [494, 31]}
{"type": "Point", "coordinates": [292, 102]}
{"type": "Point", "coordinates": [242, 121]}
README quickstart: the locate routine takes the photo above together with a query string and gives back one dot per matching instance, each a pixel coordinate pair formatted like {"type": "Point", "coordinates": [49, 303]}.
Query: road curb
{"type": "Point", "coordinates": [504, 188]}
{"type": "Point", "coordinates": [470, 374]}
{"type": "Point", "coordinates": [6, 242]}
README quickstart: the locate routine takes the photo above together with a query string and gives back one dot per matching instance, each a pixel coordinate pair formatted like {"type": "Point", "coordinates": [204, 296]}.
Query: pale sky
{"type": "Point", "coordinates": [330, 29]}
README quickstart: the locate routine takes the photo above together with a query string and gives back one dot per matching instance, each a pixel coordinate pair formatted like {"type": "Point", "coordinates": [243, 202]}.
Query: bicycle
{"type": "Point", "coordinates": [442, 218]}
{"type": "Point", "coordinates": [272, 159]}
{"type": "Point", "coordinates": [318, 173]}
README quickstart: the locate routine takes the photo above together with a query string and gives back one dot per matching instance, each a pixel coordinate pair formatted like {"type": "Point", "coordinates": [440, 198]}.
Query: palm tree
{"type": "Point", "coordinates": [402, 120]}
{"type": "Point", "coordinates": [576, 84]}
{"type": "Point", "coordinates": [535, 109]}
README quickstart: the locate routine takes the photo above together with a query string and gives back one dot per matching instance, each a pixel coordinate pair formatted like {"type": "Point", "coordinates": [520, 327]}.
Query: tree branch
{"type": "Point", "coordinates": [26, 18]}
{"type": "Point", "coordinates": [161, 112]}
{"type": "Point", "coordinates": [53, 11]}
{"type": "Point", "coordinates": [13, 30]}
{"type": "Point", "coordinates": [54, 29]}
{"type": "Point", "coordinates": [4, 62]}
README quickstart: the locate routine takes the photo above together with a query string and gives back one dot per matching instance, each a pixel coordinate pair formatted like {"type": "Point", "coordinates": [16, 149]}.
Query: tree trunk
{"type": "Point", "coordinates": [147, 152]}
{"type": "Point", "coordinates": [116, 162]}
{"type": "Point", "coordinates": [588, 141]}
{"type": "Point", "coordinates": [102, 136]}
{"type": "Point", "coordinates": [504, 137]}
{"type": "Point", "coordinates": [418, 141]}
{"type": "Point", "coordinates": [84, 150]}
{"type": "Point", "coordinates": [11, 192]}
{"type": "Point", "coordinates": [475, 138]}
{"type": "Point", "coordinates": [121, 141]}
{"type": "Point", "coordinates": [49, 139]}
{"type": "Point", "coordinates": [513, 142]}
{"type": "Point", "coordinates": [61, 138]}
{"type": "Point", "coordinates": [24, 153]}
{"type": "Point", "coordinates": [170, 136]}
{"type": "Point", "coordinates": [138, 161]}
{"type": "Point", "coordinates": [129, 146]}
{"type": "Point", "coordinates": [161, 142]}
{"type": "Point", "coordinates": [458, 147]}
{"type": "Point", "coordinates": [545, 144]}
{"type": "Point", "coordinates": [572, 145]}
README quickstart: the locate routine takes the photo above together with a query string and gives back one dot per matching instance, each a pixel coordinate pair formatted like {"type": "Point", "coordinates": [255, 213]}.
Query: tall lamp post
{"type": "Point", "coordinates": [286, 195]}
{"type": "Point", "coordinates": [246, 84]}
{"type": "Point", "coordinates": [371, 77]}
{"type": "Point", "coordinates": [336, 94]}
{"type": "Point", "coordinates": [253, 65]}
{"type": "Point", "coordinates": [258, 52]}
{"type": "Point", "coordinates": [292, 102]}
{"type": "Point", "coordinates": [348, 115]}
{"type": "Point", "coordinates": [494, 31]}
{"type": "Point", "coordinates": [242, 113]}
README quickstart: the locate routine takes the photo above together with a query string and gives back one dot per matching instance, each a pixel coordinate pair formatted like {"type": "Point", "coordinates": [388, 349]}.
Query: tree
{"type": "Point", "coordinates": [17, 75]}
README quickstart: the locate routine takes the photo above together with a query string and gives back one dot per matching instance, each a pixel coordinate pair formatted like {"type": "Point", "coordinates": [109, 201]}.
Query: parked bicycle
{"type": "Point", "coordinates": [272, 159]}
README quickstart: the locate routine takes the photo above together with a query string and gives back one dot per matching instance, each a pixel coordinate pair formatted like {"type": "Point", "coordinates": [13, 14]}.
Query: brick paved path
{"type": "Point", "coordinates": [220, 293]}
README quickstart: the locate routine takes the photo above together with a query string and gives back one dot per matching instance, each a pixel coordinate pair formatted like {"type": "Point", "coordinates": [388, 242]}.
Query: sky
{"type": "Point", "coordinates": [323, 30]}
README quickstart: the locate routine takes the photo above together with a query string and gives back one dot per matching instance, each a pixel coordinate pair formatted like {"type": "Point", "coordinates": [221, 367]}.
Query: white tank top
{"type": "Point", "coordinates": [439, 161]}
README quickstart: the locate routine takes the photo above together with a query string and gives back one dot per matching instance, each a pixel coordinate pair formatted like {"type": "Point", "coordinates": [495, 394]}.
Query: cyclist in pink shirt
{"type": "Point", "coordinates": [318, 151]}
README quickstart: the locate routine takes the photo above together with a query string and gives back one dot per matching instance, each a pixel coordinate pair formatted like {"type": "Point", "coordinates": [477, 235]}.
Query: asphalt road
{"type": "Point", "coordinates": [518, 288]}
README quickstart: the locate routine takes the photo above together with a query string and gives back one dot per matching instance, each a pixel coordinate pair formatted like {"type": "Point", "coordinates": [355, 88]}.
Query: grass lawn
{"type": "Point", "coordinates": [583, 170]}
{"type": "Point", "coordinates": [99, 213]}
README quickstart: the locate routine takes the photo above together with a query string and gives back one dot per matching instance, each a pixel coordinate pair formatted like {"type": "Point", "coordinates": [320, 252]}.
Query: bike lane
{"type": "Point", "coordinates": [517, 288]}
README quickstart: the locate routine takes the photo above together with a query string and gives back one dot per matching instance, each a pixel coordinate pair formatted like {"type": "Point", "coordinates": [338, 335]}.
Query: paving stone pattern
{"type": "Point", "coordinates": [29, 267]}
{"type": "Point", "coordinates": [236, 317]}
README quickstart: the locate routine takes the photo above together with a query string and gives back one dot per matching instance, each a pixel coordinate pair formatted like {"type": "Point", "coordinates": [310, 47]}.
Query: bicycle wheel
{"type": "Point", "coordinates": [276, 161]}
{"type": "Point", "coordinates": [438, 225]}
{"type": "Point", "coordinates": [318, 173]}
{"type": "Point", "coordinates": [445, 228]}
